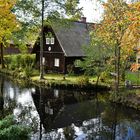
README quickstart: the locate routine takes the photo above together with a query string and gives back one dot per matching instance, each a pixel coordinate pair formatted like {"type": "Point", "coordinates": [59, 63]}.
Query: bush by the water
{"type": "Point", "coordinates": [9, 130]}
{"type": "Point", "coordinates": [23, 63]}
{"type": "Point", "coordinates": [83, 80]}
{"type": "Point", "coordinates": [19, 61]}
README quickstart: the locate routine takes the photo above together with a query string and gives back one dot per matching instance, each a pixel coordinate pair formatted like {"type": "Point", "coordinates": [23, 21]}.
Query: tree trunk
{"type": "Point", "coordinates": [1, 56]}
{"type": "Point", "coordinates": [118, 68]}
{"type": "Point", "coordinates": [42, 43]}
{"type": "Point", "coordinates": [123, 73]}
{"type": "Point", "coordinates": [97, 80]}
{"type": "Point", "coordinates": [116, 86]}
{"type": "Point", "coordinates": [1, 96]}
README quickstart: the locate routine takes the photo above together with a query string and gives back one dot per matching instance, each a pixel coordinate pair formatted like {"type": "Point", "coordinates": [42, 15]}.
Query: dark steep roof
{"type": "Point", "coordinates": [73, 38]}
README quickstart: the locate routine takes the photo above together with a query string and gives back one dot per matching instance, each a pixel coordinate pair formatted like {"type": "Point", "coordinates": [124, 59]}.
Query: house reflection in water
{"type": "Point", "coordinates": [82, 115]}
{"type": "Point", "coordinates": [58, 108]}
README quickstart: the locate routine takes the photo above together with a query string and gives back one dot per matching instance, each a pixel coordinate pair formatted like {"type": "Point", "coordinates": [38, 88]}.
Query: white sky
{"type": "Point", "coordinates": [92, 10]}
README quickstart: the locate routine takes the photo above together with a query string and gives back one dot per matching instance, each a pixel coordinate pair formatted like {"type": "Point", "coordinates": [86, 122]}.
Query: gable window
{"type": "Point", "coordinates": [56, 62]}
{"type": "Point", "coordinates": [49, 48]}
{"type": "Point", "coordinates": [52, 40]}
{"type": "Point", "coordinates": [47, 40]}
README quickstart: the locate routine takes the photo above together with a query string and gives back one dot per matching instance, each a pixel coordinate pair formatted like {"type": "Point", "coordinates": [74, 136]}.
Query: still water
{"type": "Point", "coordinates": [68, 115]}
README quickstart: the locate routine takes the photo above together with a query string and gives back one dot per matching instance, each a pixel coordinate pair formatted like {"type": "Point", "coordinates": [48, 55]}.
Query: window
{"type": "Point", "coordinates": [77, 63]}
{"type": "Point", "coordinates": [52, 40]}
{"type": "Point", "coordinates": [56, 93]}
{"type": "Point", "coordinates": [56, 62]}
{"type": "Point", "coordinates": [47, 40]}
{"type": "Point", "coordinates": [49, 48]}
{"type": "Point", "coordinates": [43, 60]}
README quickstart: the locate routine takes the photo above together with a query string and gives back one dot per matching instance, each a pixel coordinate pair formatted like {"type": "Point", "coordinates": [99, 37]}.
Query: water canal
{"type": "Point", "coordinates": [68, 115]}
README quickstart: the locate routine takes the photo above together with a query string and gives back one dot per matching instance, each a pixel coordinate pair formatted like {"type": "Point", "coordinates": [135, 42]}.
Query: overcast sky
{"type": "Point", "coordinates": [92, 10]}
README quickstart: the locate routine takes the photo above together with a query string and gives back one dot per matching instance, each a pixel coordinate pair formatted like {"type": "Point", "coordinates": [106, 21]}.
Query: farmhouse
{"type": "Point", "coordinates": [63, 45]}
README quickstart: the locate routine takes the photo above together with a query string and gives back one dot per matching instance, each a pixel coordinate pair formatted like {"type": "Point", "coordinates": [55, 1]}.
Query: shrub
{"type": "Point", "coordinates": [23, 64]}
{"type": "Point", "coordinates": [104, 76]}
{"type": "Point", "coordinates": [28, 70]}
{"type": "Point", "coordinates": [19, 61]}
{"type": "Point", "coordinates": [9, 130]}
{"type": "Point", "coordinates": [70, 69]}
{"type": "Point", "coordinates": [6, 122]}
{"type": "Point", "coordinates": [84, 80]}
{"type": "Point", "coordinates": [14, 132]}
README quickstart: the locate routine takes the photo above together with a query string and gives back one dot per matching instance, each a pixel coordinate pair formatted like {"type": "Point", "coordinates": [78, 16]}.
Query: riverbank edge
{"type": "Point", "coordinates": [130, 101]}
{"type": "Point", "coordinates": [51, 83]}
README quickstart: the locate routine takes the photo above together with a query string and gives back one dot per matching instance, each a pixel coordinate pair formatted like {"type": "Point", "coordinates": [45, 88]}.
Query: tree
{"type": "Point", "coordinates": [29, 15]}
{"type": "Point", "coordinates": [118, 30]}
{"type": "Point", "coordinates": [97, 54]}
{"type": "Point", "coordinates": [8, 24]}
{"type": "Point", "coordinates": [35, 11]}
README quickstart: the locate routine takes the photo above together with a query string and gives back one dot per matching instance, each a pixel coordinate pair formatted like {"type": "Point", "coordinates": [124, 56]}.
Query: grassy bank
{"type": "Point", "coordinates": [134, 77]}
{"type": "Point", "coordinates": [127, 97]}
{"type": "Point", "coordinates": [58, 80]}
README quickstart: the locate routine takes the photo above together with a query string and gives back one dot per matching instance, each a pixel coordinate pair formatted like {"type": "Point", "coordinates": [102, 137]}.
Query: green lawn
{"type": "Point", "coordinates": [60, 77]}
{"type": "Point", "coordinates": [134, 77]}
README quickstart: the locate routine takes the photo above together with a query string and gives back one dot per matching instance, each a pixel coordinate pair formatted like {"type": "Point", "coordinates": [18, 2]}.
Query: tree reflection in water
{"type": "Point", "coordinates": [80, 115]}
{"type": "Point", "coordinates": [14, 100]}
{"type": "Point", "coordinates": [1, 97]}
{"type": "Point", "coordinates": [67, 115]}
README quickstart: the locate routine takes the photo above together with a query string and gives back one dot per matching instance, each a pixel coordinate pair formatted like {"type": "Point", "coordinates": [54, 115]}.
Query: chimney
{"type": "Point", "coordinates": [83, 19]}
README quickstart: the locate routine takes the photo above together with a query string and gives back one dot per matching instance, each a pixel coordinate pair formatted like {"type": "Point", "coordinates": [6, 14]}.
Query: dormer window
{"type": "Point", "coordinates": [52, 40]}
{"type": "Point", "coordinates": [47, 40]}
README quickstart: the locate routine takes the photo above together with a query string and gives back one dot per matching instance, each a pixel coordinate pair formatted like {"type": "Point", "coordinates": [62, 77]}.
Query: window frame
{"type": "Point", "coordinates": [47, 40]}
{"type": "Point", "coordinates": [52, 40]}
{"type": "Point", "coordinates": [56, 62]}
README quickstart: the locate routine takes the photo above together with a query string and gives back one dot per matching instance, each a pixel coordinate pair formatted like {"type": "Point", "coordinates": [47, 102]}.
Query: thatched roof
{"type": "Point", "coordinates": [73, 38]}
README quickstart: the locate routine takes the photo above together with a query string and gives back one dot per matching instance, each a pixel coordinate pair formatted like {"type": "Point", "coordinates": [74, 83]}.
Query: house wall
{"type": "Point", "coordinates": [50, 62]}
{"type": "Point", "coordinates": [50, 55]}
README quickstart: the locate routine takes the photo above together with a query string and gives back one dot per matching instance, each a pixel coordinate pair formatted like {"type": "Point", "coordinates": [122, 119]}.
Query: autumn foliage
{"type": "Point", "coordinates": [8, 22]}
{"type": "Point", "coordinates": [120, 29]}
{"type": "Point", "coordinates": [135, 67]}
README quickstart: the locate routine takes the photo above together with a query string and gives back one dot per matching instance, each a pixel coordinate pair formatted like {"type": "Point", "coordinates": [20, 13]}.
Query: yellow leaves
{"type": "Point", "coordinates": [6, 5]}
{"type": "Point", "coordinates": [8, 22]}
{"type": "Point", "coordinates": [121, 25]}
